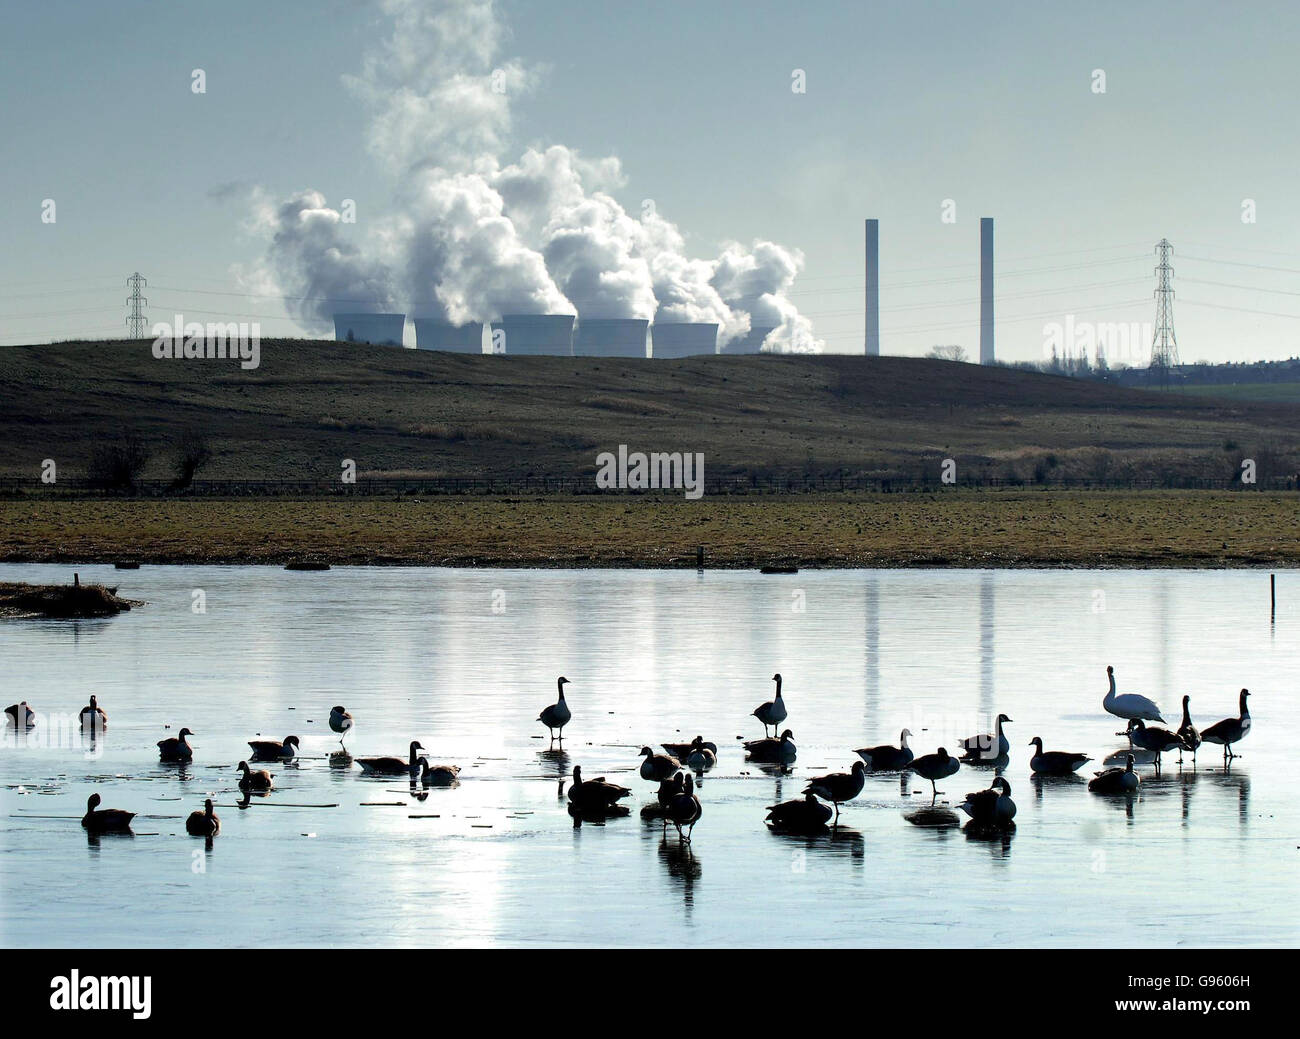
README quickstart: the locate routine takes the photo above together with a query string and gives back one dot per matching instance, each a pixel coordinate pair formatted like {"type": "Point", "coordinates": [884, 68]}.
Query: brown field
{"type": "Point", "coordinates": [958, 528]}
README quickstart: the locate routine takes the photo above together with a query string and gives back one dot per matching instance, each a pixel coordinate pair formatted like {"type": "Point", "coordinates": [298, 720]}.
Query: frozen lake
{"type": "Point", "coordinates": [463, 660]}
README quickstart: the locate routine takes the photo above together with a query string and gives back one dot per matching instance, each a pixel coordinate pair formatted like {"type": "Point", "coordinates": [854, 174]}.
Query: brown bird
{"type": "Point", "coordinates": [594, 795]}
{"type": "Point", "coordinates": [93, 716]}
{"type": "Point", "coordinates": [250, 780]}
{"type": "Point", "coordinates": [204, 823]}
{"type": "Point", "coordinates": [21, 714]}
{"type": "Point", "coordinates": [108, 820]}
{"type": "Point", "coordinates": [391, 765]}
{"type": "Point", "coordinates": [658, 767]}
{"type": "Point", "coordinates": [439, 775]}
{"type": "Point", "coordinates": [271, 750]}
{"type": "Point", "coordinates": [174, 748]}
{"type": "Point", "coordinates": [685, 809]}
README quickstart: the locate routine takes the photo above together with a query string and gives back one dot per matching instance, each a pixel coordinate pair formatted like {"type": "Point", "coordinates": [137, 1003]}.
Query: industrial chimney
{"type": "Point", "coordinates": [380, 329]}
{"type": "Point", "coordinates": [751, 342]}
{"type": "Point", "coordinates": [986, 290]}
{"type": "Point", "coordinates": [610, 337]}
{"type": "Point", "coordinates": [549, 334]}
{"type": "Point", "coordinates": [434, 334]}
{"type": "Point", "coordinates": [683, 339]}
{"type": "Point", "coordinates": [872, 347]}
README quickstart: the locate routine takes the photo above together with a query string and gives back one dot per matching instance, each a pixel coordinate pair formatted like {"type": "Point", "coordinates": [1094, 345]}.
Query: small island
{"type": "Point", "coordinates": [61, 601]}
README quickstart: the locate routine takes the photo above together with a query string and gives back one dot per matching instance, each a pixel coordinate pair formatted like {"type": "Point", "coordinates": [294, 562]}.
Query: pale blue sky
{"type": "Point", "coordinates": [907, 104]}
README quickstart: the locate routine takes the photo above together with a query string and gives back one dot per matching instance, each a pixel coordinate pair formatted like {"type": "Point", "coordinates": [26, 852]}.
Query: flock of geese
{"type": "Point", "coordinates": [676, 768]}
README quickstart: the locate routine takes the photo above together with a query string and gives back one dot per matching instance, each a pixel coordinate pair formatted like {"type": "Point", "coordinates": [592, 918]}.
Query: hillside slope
{"type": "Point", "coordinates": [312, 403]}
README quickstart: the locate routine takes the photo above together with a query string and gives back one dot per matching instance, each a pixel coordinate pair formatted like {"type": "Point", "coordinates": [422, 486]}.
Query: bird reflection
{"type": "Point", "coordinates": [683, 867]}
{"type": "Point", "coordinates": [555, 762]}
{"type": "Point", "coordinates": [997, 838]}
{"type": "Point", "coordinates": [1040, 783]}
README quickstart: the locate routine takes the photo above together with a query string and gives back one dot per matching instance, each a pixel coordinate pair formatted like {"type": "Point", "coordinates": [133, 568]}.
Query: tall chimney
{"type": "Point", "coordinates": [986, 290]}
{"type": "Point", "coordinates": [873, 288]}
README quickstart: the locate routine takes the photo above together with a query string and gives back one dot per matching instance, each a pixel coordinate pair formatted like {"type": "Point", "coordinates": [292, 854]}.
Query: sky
{"type": "Point", "coordinates": [990, 105]}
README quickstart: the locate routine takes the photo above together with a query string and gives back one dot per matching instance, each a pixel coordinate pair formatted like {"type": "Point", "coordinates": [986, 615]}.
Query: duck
{"type": "Point", "coordinates": [991, 807]}
{"type": "Point", "coordinates": [771, 749]}
{"type": "Point", "coordinates": [594, 795]}
{"type": "Point", "coordinates": [393, 766]}
{"type": "Point", "coordinates": [21, 714]}
{"type": "Point", "coordinates": [838, 787]}
{"type": "Point", "coordinates": [657, 767]}
{"type": "Point", "coordinates": [174, 748]}
{"type": "Point", "coordinates": [205, 823]}
{"type": "Point", "coordinates": [939, 765]}
{"type": "Point", "coordinates": [806, 816]}
{"type": "Point", "coordinates": [107, 820]}
{"type": "Point", "coordinates": [1054, 762]}
{"type": "Point", "coordinates": [250, 780]}
{"type": "Point", "coordinates": [772, 713]}
{"type": "Point", "coordinates": [886, 757]}
{"type": "Point", "coordinates": [93, 716]}
{"type": "Point", "coordinates": [1154, 739]}
{"type": "Point", "coordinates": [701, 758]}
{"type": "Point", "coordinates": [1129, 706]}
{"type": "Point", "coordinates": [439, 775]}
{"type": "Point", "coordinates": [557, 716]}
{"type": "Point", "coordinates": [978, 750]}
{"type": "Point", "coordinates": [1230, 730]}
{"type": "Point", "coordinates": [270, 750]}
{"type": "Point", "coordinates": [685, 809]}
{"type": "Point", "coordinates": [1187, 731]}
{"type": "Point", "coordinates": [681, 751]}
{"type": "Point", "coordinates": [340, 721]}
{"type": "Point", "coordinates": [1116, 780]}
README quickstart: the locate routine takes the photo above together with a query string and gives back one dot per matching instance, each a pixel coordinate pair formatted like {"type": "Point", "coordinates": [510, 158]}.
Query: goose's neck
{"type": "Point", "coordinates": [1110, 696]}
{"type": "Point", "coordinates": [902, 740]}
{"type": "Point", "coordinates": [1187, 714]}
{"type": "Point", "coordinates": [778, 687]}
{"type": "Point", "coordinates": [1245, 711]}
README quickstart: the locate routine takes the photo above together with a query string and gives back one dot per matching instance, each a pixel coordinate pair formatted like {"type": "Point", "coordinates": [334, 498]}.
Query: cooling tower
{"type": "Point", "coordinates": [986, 290]}
{"type": "Point", "coordinates": [872, 346]}
{"type": "Point", "coordinates": [433, 334]}
{"type": "Point", "coordinates": [536, 334]}
{"type": "Point", "coordinates": [683, 339]}
{"type": "Point", "coordinates": [610, 337]}
{"type": "Point", "coordinates": [382, 329]}
{"type": "Point", "coordinates": [751, 343]}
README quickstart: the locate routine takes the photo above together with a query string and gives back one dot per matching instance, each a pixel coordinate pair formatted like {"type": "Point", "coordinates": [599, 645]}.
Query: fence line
{"type": "Point", "coordinates": [365, 487]}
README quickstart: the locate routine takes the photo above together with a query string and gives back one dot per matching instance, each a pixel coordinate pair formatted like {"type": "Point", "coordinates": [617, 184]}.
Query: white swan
{"type": "Point", "coordinates": [1129, 706]}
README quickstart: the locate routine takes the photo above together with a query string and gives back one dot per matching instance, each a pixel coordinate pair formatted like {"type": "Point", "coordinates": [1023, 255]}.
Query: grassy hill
{"type": "Point", "coordinates": [312, 403]}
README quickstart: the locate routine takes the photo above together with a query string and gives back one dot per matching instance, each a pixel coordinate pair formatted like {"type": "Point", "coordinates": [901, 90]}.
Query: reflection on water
{"type": "Point", "coordinates": [652, 658]}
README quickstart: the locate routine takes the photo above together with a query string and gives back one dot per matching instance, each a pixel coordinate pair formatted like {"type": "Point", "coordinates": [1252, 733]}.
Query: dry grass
{"type": "Point", "coordinates": [964, 529]}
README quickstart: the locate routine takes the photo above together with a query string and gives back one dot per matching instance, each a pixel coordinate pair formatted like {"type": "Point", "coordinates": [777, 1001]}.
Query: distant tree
{"type": "Point", "coordinates": [950, 352]}
{"type": "Point", "coordinates": [192, 454]}
{"type": "Point", "coordinates": [118, 464]}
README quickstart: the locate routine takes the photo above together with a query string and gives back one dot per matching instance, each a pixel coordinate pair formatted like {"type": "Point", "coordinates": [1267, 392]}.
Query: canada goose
{"type": "Point", "coordinates": [250, 780]}
{"type": "Point", "coordinates": [886, 757]}
{"type": "Point", "coordinates": [657, 767]}
{"type": "Point", "coordinates": [772, 750]}
{"type": "Point", "coordinates": [205, 823]}
{"type": "Point", "coordinates": [93, 716]}
{"type": "Point", "coordinates": [980, 750]}
{"type": "Point", "coordinates": [685, 809]}
{"type": "Point", "coordinates": [108, 820]}
{"type": "Point", "coordinates": [21, 714]}
{"type": "Point", "coordinates": [1154, 739]}
{"type": "Point", "coordinates": [340, 722]}
{"type": "Point", "coordinates": [594, 795]}
{"type": "Point", "coordinates": [1054, 762]}
{"type": "Point", "coordinates": [773, 712]}
{"type": "Point", "coordinates": [681, 751]}
{"type": "Point", "coordinates": [1116, 780]}
{"type": "Point", "coordinates": [439, 775]}
{"type": "Point", "coordinates": [806, 816]}
{"type": "Point", "coordinates": [1190, 737]}
{"type": "Point", "coordinates": [393, 766]}
{"type": "Point", "coordinates": [701, 759]}
{"type": "Point", "coordinates": [558, 714]}
{"type": "Point", "coordinates": [991, 807]}
{"type": "Point", "coordinates": [939, 765]}
{"type": "Point", "coordinates": [271, 750]}
{"type": "Point", "coordinates": [174, 748]}
{"type": "Point", "coordinates": [1129, 706]}
{"type": "Point", "coordinates": [1230, 730]}
{"type": "Point", "coordinates": [839, 787]}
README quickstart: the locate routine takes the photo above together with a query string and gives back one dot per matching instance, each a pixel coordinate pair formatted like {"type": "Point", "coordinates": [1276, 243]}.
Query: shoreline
{"type": "Point", "coordinates": [956, 529]}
